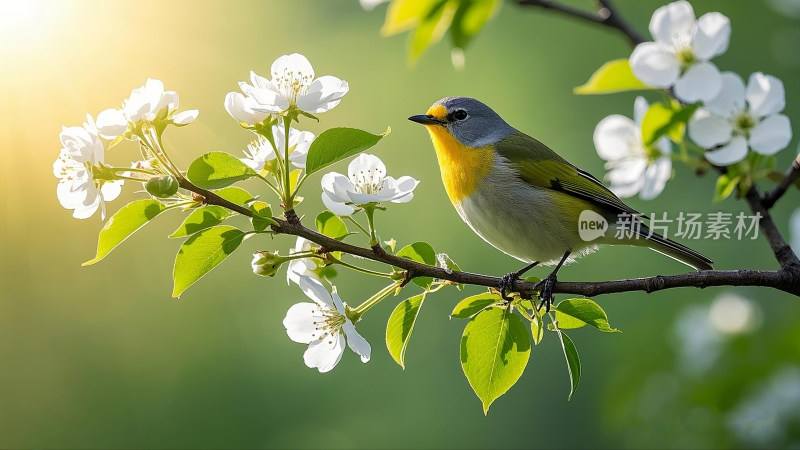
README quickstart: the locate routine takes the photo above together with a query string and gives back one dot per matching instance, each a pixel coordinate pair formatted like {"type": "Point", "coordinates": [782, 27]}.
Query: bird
{"type": "Point", "coordinates": [527, 201]}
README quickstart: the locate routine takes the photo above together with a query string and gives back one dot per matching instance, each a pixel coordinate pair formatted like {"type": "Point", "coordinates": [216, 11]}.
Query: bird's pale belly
{"type": "Point", "coordinates": [522, 221]}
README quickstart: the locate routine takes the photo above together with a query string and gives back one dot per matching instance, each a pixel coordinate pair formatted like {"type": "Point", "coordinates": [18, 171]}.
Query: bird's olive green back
{"type": "Point", "coordinates": [540, 166]}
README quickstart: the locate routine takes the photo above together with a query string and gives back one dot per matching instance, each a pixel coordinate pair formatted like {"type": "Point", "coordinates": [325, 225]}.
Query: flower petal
{"type": "Point", "coordinates": [366, 165]}
{"type": "Point", "coordinates": [711, 36]}
{"type": "Point", "coordinates": [238, 107]}
{"type": "Point", "coordinates": [295, 65]}
{"type": "Point", "coordinates": [765, 94]}
{"type": "Point", "coordinates": [731, 99]}
{"type": "Point", "coordinates": [185, 117]}
{"type": "Point", "coordinates": [314, 290]}
{"type": "Point", "coordinates": [323, 94]}
{"type": "Point", "coordinates": [672, 22]}
{"type": "Point", "coordinates": [640, 107]}
{"type": "Point", "coordinates": [325, 353]}
{"type": "Point", "coordinates": [336, 186]}
{"type": "Point", "coordinates": [111, 190]}
{"type": "Point", "coordinates": [111, 123]}
{"type": "Point", "coordinates": [617, 137]}
{"type": "Point", "coordinates": [356, 342]}
{"type": "Point", "coordinates": [627, 170]}
{"type": "Point", "coordinates": [655, 65]}
{"type": "Point", "coordinates": [302, 142]}
{"type": "Point", "coordinates": [701, 81]}
{"type": "Point", "coordinates": [772, 135]}
{"type": "Point", "coordinates": [655, 178]}
{"type": "Point", "coordinates": [731, 153]}
{"type": "Point", "coordinates": [300, 322]}
{"type": "Point", "coordinates": [709, 130]}
{"type": "Point", "coordinates": [338, 208]}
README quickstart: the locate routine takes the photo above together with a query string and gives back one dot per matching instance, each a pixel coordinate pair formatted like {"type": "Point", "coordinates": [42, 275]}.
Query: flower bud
{"type": "Point", "coordinates": [162, 187]}
{"type": "Point", "coordinates": [266, 263]}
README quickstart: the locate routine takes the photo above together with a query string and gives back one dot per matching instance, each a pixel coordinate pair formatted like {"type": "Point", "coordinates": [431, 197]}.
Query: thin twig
{"type": "Point", "coordinates": [607, 16]}
{"type": "Point", "coordinates": [791, 175]}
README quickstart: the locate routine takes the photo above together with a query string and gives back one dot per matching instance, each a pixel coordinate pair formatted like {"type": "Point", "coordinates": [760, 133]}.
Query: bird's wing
{"type": "Point", "coordinates": [540, 166]}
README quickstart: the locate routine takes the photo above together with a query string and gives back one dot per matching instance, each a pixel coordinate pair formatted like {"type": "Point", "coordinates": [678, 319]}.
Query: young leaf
{"type": "Point", "coordinates": [401, 325]}
{"type": "Point", "coordinates": [495, 349]}
{"type": "Point", "coordinates": [218, 169]}
{"type": "Point", "coordinates": [262, 216]}
{"type": "Point", "coordinates": [330, 225]}
{"type": "Point", "coordinates": [577, 312]}
{"type": "Point", "coordinates": [726, 183]}
{"type": "Point", "coordinates": [336, 144]}
{"type": "Point", "coordinates": [124, 223]}
{"type": "Point", "coordinates": [613, 76]}
{"type": "Point", "coordinates": [403, 15]}
{"type": "Point", "coordinates": [445, 262]}
{"type": "Point", "coordinates": [200, 219]}
{"type": "Point", "coordinates": [573, 362]}
{"type": "Point", "coordinates": [202, 252]}
{"type": "Point", "coordinates": [421, 252]}
{"type": "Point", "coordinates": [473, 305]}
{"type": "Point", "coordinates": [469, 19]}
{"type": "Point", "coordinates": [665, 120]}
{"type": "Point", "coordinates": [431, 28]}
{"type": "Point", "coordinates": [537, 327]}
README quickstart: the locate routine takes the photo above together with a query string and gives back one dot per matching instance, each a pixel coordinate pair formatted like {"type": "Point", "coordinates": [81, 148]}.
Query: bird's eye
{"type": "Point", "coordinates": [460, 114]}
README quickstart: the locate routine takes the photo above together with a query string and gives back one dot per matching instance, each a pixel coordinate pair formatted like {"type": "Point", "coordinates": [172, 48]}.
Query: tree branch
{"type": "Point", "coordinates": [607, 16]}
{"type": "Point", "coordinates": [783, 253]}
{"type": "Point", "coordinates": [789, 178]}
{"type": "Point", "coordinates": [787, 279]}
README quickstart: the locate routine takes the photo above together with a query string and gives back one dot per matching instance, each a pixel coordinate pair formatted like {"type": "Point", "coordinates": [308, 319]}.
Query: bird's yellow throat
{"type": "Point", "coordinates": [462, 167]}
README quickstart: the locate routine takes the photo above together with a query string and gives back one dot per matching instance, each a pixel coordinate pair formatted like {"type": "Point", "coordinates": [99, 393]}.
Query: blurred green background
{"type": "Point", "coordinates": [103, 357]}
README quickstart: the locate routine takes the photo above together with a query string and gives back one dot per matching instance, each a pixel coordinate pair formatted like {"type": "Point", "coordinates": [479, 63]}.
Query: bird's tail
{"type": "Point", "coordinates": [673, 249]}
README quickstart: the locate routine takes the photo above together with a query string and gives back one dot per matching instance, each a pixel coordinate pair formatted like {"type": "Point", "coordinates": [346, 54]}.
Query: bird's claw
{"type": "Point", "coordinates": [545, 288]}
{"type": "Point", "coordinates": [507, 285]}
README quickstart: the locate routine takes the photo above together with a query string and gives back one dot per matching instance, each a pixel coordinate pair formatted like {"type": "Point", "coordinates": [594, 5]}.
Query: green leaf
{"type": "Point", "coordinates": [537, 327]}
{"type": "Point", "coordinates": [218, 169]}
{"type": "Point", "coordinates": [336, 144]}
{"type": "Point", "coordinates": [202, 252]}
{"type": "Point", "coordinates": [469, 19]}
{"type": "Point", "coordinates": [200, 219]}
{"type": "Point", "coordinates": [403, 15]}
{"type": "Point", "coordinates": [401, 325]}
{"type": "Point", "coordinates": [495, 349]}
{"type": "Point", "coordinates": [665, 120]}
{"type": "Point", "coordinates": [330, 225]}
{"type": "Point", "coordinates": [573, 362]}
{"type": "Point", "coordinates": [262, 216]}
{"type": "Point", "coordinates": [235, 194]}
{"type": "Point", "coordinates": [613, 76]}
{"type": "Point", "coordinates": [421, 252]}
{"type": "Point", "coordinates": [430, 29]}
{"type": "Point", "coordinates": [726, 184]}
{"type": "Point", "coordinates": [124, 223]}
{"type": "Point", "coordinates": [473, 305]}
{"type": "Point", "coordinates": [577, 312]}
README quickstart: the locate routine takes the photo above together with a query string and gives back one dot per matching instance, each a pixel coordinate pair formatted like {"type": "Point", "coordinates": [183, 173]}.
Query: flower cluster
{"type": "Point", "coordinates": [729, 118]}
{"type": "Point", "coordinates": [86, 182]}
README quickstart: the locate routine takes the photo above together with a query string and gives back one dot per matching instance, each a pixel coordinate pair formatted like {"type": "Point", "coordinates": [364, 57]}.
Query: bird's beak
{"type": "Point", "coordinates": [426, 119]}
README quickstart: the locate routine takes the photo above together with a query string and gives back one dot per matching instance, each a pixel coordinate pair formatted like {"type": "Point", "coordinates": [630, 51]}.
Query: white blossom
{"type": "Point", "coordinates": [292, 86]}
{"type": "Point", "coordinates": [77, 189]}
{"type": "Point", "coordinates": [366, 183]}
{"type": "Point", "coordinates": [679, 57]}
{"type": "Point", "coordinates": [369, 5]}
{"type": "Point", "coordinates": [260, 151]}
{"type": "Point", "coordinates": [146, 103]}
{"type": "Point", "coordinates": [298, 268]}
{"type": "Point", "coordinates": [633, 167]}
{"type": "Point", "coordinates": [324, 326]}
{"type": "Point", "coordinates": [741, 117]}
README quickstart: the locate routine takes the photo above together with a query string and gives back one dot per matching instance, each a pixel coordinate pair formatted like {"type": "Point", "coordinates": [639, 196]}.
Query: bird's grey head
{"type": "Point", "coordinates": [468, 120]}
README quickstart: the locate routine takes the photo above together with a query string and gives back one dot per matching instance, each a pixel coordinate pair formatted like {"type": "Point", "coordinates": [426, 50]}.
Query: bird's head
{"type": "Point", "coordinates": [468, 120]}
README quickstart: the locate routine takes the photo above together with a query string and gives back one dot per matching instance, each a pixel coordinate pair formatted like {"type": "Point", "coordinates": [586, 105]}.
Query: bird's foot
{"type": "Point", "coordinates": [545, 288]}
{"type": "Point", "coordinates": [507, 285]}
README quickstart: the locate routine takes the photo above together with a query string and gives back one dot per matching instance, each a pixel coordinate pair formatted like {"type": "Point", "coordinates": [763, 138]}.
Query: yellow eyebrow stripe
{"type": "Point", "coordinates": [437, 111]}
